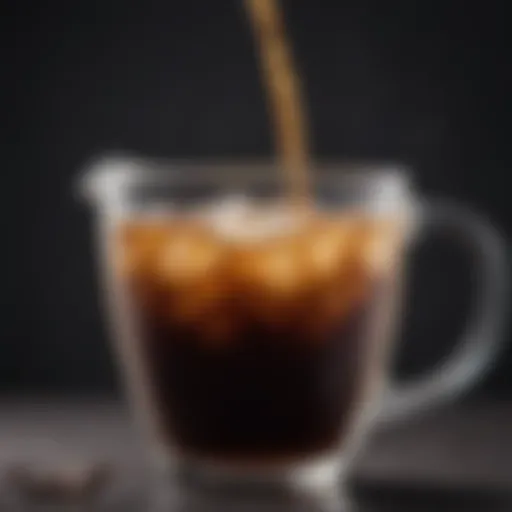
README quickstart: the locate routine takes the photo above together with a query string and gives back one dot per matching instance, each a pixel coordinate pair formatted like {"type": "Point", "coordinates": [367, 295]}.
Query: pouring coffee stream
{"type": "Point", "coordinates": [282, 84]}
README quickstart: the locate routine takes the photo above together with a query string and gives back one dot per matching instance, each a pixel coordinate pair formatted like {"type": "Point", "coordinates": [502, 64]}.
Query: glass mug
{"type": "Point", "coordinates": [256, 342]}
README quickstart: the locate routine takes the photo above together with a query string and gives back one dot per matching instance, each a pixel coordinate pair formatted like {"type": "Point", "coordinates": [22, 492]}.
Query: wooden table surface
{"type": "Point", "coordinates": [457, 459]}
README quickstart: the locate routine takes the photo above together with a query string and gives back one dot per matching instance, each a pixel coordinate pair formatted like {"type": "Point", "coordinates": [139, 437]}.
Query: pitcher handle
{"type": "Point", "coordinates": [482, 339]}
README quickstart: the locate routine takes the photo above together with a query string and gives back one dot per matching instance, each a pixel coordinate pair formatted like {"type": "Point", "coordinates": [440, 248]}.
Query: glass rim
{"type": "Point", "coordinates": [112, 173]}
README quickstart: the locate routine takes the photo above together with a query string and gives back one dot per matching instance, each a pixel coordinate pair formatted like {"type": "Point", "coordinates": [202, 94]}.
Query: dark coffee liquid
{"type": "Point", "coordinates": [241, 369]}
{"type": "Point", "coordinates": [267, 396]}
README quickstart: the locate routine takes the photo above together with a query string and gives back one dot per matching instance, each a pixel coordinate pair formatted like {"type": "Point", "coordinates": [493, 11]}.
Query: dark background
{"type": "Point", "coordinates": [422, 82]}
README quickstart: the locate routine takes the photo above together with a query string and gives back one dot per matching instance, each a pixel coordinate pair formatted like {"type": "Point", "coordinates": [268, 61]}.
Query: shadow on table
{"type": "Point", "coordinates": [361, 500]}
{"type": "Point", "coordinates": [361, 497]}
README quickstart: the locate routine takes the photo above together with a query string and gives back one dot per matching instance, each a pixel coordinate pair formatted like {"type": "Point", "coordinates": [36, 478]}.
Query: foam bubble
{"type": "Point", "coordinates": [237, 218]}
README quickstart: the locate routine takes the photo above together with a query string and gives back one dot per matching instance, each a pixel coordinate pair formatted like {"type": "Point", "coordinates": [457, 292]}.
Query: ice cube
{"type": "Point", "coordinates": [187, 256]}
{"type": "Point", "coordinates": [326, 249]}
{"type": "Point", "coordinates": [139, 244]}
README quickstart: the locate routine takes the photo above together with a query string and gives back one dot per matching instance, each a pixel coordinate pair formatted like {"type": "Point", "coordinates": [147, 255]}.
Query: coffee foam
{"type": "Point", "coordinates": [237, 218]}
